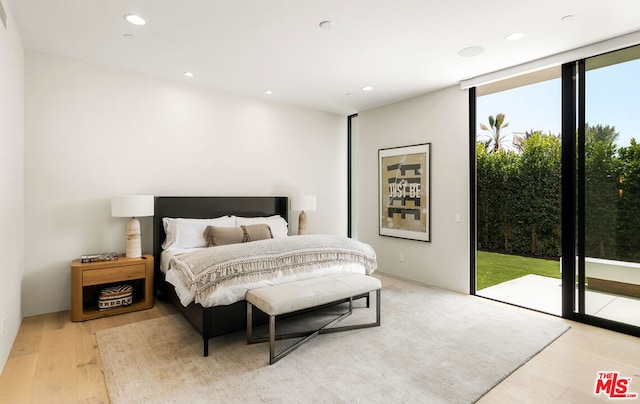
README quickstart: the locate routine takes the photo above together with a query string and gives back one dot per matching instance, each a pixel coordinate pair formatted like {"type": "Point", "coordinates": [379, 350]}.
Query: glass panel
{"type": "Point", "coordinates": [518, 159]}
{"type": "Point", "coordinates": [353, 176]}
{"type": "Point", "coordinates": [612, 186]}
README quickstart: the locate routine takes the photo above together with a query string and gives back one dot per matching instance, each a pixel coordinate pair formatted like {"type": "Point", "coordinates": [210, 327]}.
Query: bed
{"type": "Point", "coordinates": [215, 316]}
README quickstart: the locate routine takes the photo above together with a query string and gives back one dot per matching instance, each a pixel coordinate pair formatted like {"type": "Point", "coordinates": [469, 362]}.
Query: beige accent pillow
{"type": "Point", "coordinates": [277, 224]}
{"type": "Point", "coordinates": [216, 236]}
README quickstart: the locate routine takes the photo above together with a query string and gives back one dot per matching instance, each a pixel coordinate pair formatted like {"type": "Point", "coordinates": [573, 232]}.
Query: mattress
{"type": "Point", "coordinates": [229, 294]}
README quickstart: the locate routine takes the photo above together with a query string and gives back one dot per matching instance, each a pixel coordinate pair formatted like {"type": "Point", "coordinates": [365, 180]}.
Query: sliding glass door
{"type": "Point", "coordinates": [608, 188]}
{"type": "Point", "coordinates": [518, 178]}
{"type": "Point", "coordinates": [559, 201]}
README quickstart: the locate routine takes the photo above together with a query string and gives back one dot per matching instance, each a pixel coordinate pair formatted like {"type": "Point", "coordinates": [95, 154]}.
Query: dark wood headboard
{"type": "Point", "coordinates": [206, 207]}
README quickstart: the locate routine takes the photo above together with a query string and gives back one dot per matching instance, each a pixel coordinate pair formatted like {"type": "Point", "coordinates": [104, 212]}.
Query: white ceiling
{"type": "Point", "coordinates": [400, 47]}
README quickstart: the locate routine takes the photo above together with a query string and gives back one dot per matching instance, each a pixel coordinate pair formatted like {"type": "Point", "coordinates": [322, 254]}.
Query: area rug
{"type": "Point", "coordinates": [433, 346]}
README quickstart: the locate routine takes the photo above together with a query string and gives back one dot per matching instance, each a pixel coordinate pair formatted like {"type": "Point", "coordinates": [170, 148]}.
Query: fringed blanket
{"type": "Point", "coordinates": [203, 270]}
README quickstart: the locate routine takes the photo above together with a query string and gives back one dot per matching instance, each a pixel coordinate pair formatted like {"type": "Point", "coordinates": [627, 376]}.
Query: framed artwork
{"type": "Point", "coordinates": [405, 192]}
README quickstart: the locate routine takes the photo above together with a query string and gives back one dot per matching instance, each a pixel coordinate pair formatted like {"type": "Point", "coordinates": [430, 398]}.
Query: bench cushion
{"type": "Point", "coordinates": [289, 297]}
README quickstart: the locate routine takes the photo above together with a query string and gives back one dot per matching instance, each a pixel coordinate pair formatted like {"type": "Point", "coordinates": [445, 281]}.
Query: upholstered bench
{"type": "Point", "coordinates": [292, 297]}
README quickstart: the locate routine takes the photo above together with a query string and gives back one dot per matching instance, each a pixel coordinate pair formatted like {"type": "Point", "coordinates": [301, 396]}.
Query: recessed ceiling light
{"type": "Point", "coordinates": [514, 36]}
{"type": "Point", "coordinates": [367, 88]}
{"type": "Point", "coordinates": [471, 51]}
{"type": "Point", "coordinates": [129, 36]}
{"type": "Point", "coordinates": [268, 92]}
{"type": "Point", "coordinates": [188, 74]}
{"type": "Point", "coordinates": [327, 24]}
{"type": "Point", "coordinates": [134, 19]}
{"type": "Point", "coordinates": [566, 18]}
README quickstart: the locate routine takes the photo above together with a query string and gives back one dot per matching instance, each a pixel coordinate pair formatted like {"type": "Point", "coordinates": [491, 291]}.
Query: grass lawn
{"type": "Point", "coordinates": [494, 268]}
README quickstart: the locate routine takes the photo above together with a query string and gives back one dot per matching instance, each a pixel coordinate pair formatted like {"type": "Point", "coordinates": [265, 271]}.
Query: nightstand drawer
{"type": "Point", "coordinates": [117, 274]}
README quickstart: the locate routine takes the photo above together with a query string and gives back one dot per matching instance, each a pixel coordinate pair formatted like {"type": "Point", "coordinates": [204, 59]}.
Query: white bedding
{"type": "Point", "coordinates": [231, 294]}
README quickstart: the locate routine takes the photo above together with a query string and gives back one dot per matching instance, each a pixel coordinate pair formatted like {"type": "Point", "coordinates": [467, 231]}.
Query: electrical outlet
{"type": "Point", "coordinates": [401, 257]}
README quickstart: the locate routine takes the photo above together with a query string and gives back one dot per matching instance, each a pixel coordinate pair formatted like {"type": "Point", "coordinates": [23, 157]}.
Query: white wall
{"type": "Point", "coordinates": [94, 132]}
{"type": "Point", "coordinates": [440, 118]}
{"type": "Point", "coordinates": [11, 183]}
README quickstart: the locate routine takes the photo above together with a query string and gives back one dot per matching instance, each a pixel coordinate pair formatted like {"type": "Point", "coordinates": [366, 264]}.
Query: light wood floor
{"type": "Point", "coordinates": [56, 361]}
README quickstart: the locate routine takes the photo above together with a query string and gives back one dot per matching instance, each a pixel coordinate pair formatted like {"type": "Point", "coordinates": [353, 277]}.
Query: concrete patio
{"type": "Point", "coordinates": [545, 294]}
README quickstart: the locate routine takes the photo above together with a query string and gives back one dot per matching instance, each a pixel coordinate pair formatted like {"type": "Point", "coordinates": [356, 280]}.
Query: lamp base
{"type": "Point", "coordinates": [134, 246]}
{"type": "Point", "coordinates": [302, 223]}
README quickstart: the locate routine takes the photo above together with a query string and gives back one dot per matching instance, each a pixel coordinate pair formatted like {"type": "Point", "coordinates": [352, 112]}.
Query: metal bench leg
{"type": "Point", "coordinates": [273, 357]}
{"type": "Point", "coordinates": [249, 322]}
{"type": "Point", "coordinates": [378, 307]}
{"type": "Point", "coordinates": [357, 326]}
{"type": "Point", "coordinates": [272, 340]}
{"type": "Point", "coordinates": [272, 335]}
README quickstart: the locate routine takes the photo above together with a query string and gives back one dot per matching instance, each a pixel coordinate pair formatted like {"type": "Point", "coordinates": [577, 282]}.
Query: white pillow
{"type": "Point", "coordinates": [279, 226]}
{"type": "Point", "coordinates": [189, 233]}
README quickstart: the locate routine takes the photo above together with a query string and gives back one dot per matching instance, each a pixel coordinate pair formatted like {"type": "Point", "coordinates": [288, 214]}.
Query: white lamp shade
{"type": "Point", "coordinates": [132, 206]}
{"type": "Point", "coordinates": [303, 203]}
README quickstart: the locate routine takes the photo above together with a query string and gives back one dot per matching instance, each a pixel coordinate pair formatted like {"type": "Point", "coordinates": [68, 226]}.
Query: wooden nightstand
{"type": "Point", "coordinates": [87, 279]}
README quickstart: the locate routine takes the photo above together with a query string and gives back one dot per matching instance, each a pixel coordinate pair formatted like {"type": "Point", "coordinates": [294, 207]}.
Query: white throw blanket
{"type": "Point", "coordinates": [204, 270]}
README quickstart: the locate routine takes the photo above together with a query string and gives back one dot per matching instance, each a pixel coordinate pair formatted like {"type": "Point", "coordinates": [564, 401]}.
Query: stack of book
{"type": "Point", "coordinates": [99, 257]}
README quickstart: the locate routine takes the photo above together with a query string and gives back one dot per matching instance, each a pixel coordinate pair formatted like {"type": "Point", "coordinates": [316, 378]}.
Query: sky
{"type": "Point", "coordinates": [612, 94]}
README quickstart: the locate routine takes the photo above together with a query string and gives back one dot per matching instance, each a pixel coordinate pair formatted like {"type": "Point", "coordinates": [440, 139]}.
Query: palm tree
{"type": "Point", "coordinates": [495, 127]}
{"type": "Point", "coordinates": [601, 133]}
{"type": "Point", "coordinates": [520, 137]}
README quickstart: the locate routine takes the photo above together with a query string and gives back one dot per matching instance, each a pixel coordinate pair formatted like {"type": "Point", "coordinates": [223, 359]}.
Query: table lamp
{"type": "Point", "coordinates": [303, 203]}
{"type": "Point", "coordinates": [132, 206]}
